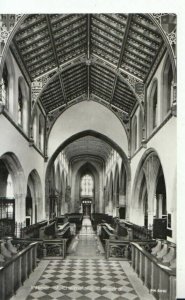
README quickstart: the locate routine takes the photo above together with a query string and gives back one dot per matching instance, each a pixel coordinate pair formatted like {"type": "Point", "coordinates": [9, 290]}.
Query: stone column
{"type": "Point", "coordinates": [160, 205]}
{"type": "Point", "coordinates": [20, 211]}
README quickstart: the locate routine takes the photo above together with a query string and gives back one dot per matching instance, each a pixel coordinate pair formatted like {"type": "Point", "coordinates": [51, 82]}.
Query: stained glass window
{"type": "Point", "coordinates": [87, 185]}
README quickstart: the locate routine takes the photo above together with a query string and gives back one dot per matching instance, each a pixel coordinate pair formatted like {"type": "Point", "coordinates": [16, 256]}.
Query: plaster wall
{"type": "Point", "coordinates": [29, 158]}
{"type": "Point", "coordinates": [164, 143]}
{"type": "Point", "coordinates": [13, 94]}
{"type": "Point", "coordinates": [87, 115]}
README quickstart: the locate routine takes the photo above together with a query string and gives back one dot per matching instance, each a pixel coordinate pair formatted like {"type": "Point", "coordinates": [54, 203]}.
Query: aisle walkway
{"type": "Point", "coordinates": [86, 243]}
{"type": "Point", "coordinates": [83, 279]}
{"type": "Point", "coordinates": [84, 275]}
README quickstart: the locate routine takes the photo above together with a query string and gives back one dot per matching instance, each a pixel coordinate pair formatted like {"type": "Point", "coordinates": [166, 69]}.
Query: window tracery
{"type": "Point", "coordinates": [87, 185]}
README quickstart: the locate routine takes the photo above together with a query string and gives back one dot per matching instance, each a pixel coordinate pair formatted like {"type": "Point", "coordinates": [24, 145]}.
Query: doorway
{"type": "Point", "coordinates": [86, 208]}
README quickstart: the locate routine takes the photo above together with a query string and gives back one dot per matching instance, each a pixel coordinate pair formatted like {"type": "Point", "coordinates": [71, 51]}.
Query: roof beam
{"type": "Point", "coordinates": [56, 57]}
{"type": "Point", "coordinates": [124, 41]}
{"type": "Point", "coordinates": [113, 67]}
{"type": "Point", "coordinates": [95, 98]}
{"type": "Point", "coordinates": [67, 64]}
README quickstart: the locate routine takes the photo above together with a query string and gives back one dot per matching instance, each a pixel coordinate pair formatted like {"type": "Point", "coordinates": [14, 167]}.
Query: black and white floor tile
{"type": "Point", "coordinates": [83, 279]}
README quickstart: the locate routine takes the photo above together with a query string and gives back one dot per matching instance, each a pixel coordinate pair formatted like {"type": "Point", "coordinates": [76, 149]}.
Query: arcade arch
{"type": "Point", "coordinates": [34, 204]}
{"type": "Point", "coordinates": [149, 190]}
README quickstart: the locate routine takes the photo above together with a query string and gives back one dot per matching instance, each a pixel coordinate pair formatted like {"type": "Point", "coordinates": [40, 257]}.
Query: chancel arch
{"type": "Point", "coordinates": [75, 138]}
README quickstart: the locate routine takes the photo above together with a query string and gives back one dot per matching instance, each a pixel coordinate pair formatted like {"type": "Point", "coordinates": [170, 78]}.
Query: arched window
{"type": "Point", "coordinates": [87, 185]}
{"type": "Point", "coordinates": [167, 87]}
{"type": "Point", "coordinates": [5, 86]}
{"type": "Point", "coordinates": [41, 132]}
{"type": "Point", "coordinates": [141, 123]}
{"type": "Point", "coordinates": [134, 139]}
{"type": "Point", "coordinates": [153, 102]}
{"type": "Point", "coordinates": [20, 105]}
{"type": "Point", "coordinates": [35, 128]}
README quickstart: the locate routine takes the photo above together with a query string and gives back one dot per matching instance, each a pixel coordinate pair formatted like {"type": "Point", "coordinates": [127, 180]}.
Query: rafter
{"type": "Point", "coordinates": [113, 67]}
{"type": "Point", "coordinates": [69, 103]}
{"type": "Point", "coordinates": [64, 66]}
{"type": "Point", "coordinates": [55, 55]}
{"type": "Point", "coordinates": [113, 52]}
{"type": "Point", "coordinates": [124, 41]}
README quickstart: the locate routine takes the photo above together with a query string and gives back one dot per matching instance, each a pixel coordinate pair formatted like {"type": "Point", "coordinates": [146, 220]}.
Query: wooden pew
{"type": "Point", "coordinates": [32, 231]}
{"type": "Point", "coordinates": [76, 219]}
{"type": "Point", "coordinates": [98, 218]}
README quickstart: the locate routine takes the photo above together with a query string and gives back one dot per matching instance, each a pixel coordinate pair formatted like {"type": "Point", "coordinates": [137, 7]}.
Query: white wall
{"type": "Point", "coordinates": [29, 158]}
{"type": "Point", "coordinates": [164, 143]}
{"type": "Point", "coordinates": [13, 95]}
{"type": "Point", "coordinates": [87, 115]}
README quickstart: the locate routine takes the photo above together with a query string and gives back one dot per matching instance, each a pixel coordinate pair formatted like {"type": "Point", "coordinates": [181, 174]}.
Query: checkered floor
{"type": "Point", "coordinates": [83, 279]}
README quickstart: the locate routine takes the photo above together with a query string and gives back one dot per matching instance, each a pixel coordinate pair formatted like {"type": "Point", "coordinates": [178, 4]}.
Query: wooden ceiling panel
{"type": "Point", "coordinates": [142, 46]}
{"type": "Point", "coordinates": [106, 36]}
{"type": "Point", "coordinates": [88, 145]}
{"type": "Point", "coordinates": [52, 96]}
{"type": "Point", "coordinates": [77, 87]}
{"type": "Point", "coordinates": [102, 80]}
{"type": "Point", "coordinates": [126, 43]}
{"type": "Point", "coordinates": [124, 98]}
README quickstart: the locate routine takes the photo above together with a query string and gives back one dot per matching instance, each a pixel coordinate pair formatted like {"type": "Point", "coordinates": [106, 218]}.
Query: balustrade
{"type": "Point", "coordinates": [15, 271]}
{"type": "Point", "coordinates": [159, 278]}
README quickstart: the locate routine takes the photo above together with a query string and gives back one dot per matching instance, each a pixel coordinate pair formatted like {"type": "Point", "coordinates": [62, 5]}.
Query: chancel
{"type": "Point", "coordinates": [88, 156]}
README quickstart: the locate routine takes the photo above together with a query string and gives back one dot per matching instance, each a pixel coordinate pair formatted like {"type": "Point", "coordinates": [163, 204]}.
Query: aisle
{"type": "Point", "coordinates": [86, 243]}
{"type": "Point", "coordinates": [83, 275]}
{"type": "Point", "coordinates": [83, 279]}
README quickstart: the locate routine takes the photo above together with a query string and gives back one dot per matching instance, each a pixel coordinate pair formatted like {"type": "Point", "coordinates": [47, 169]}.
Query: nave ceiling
{"type": "Point", "coordinates": [88, 146]}
{"type": "Point", "coordinates": [69, 58]}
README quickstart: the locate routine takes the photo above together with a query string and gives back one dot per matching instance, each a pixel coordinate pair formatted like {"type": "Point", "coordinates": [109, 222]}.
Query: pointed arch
{"type": "Point", "coordinates": [35, 188]}
{"type": "Point", "coordinates": [144, 194]}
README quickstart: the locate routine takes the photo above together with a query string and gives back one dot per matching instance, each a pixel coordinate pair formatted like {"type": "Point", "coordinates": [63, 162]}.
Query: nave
{"type": "Point", "coordinates": [88, 170]}
{"type": "Point", "coordinates": [86, 243]}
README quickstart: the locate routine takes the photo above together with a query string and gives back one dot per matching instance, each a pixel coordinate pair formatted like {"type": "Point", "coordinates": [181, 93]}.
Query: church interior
{"type": "Point", "coordinates": [88, 156]}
